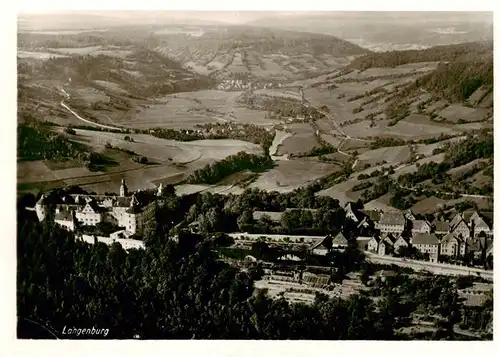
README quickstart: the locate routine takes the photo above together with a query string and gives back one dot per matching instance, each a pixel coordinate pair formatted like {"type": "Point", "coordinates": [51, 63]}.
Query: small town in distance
{"type": "Point", "coordinates": [287, 177]}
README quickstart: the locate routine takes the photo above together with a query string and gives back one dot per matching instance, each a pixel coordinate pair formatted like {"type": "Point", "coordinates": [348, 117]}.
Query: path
{"type": "Point", "coordinates": [307, 103]}
{"type": "Point", "coordinates": [65, 106]}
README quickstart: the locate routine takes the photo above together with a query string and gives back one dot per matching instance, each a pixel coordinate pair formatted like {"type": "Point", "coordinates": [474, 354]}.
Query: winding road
{"type": "Point", "coordinates": [65, 106]}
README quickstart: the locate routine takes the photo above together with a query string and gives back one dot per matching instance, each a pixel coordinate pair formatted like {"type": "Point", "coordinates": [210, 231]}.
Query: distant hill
{"type": "Point", "coordinates": [382, 31]}
{"type": "Point", "coordinates": [256, 52]}
{"type": "Point", "coordinates": [459, 52]}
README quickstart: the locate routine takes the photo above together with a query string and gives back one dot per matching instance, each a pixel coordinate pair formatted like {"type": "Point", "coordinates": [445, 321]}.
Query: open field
{"type": "Point", "coordinates": [169, 158]}
{"type": "Point", "coordinates": [167, 150]}
{"type": "Point", "coordinates": [62, 32]}
{"type": "Point", "coordinates": [457, 172]}
{"type": "Point", "coordinates": [188, 109]}
{"type": "Point", "coordinates": [290, 174]}
{"type": "Point", "coordinates": [341, 191]}
{"type": "Point", "coordinates": [381, 203]}
{"type": "Point", "coordinates": [456, 112]}
{"type": "Point", "coordinates": [111, 51]}
{"type": "Point", "coordinates": [298, 143]}
{"type": "Point", "coordinates": [427, 149]}
{"type": "Point", "coordinates": [391, 155]}
{"type": "Point", "coordinates": [279, 137]}
{"type": "Point", "coordinates": [39, 55]}
{"type": "Point", "coordinates": [404, 128]}
{"type": "Point", "coordinates": [279, 93]}
{"type": "Point", "coordinates": [88, 94]}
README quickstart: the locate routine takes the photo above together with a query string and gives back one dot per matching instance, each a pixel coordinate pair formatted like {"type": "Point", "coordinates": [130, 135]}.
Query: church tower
{"type": "Point", "coordinates": [123, 189]}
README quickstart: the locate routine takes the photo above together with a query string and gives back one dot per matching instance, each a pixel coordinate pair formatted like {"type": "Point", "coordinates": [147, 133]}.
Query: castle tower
{"type": "Point", "coordinates": [123, 189]}
{"type": "Point", "coordinates": [41, 209]}
{"type": "Point", "coordinates": [160, 190]}
{"type": "Point", "coordinates": [134, 202]}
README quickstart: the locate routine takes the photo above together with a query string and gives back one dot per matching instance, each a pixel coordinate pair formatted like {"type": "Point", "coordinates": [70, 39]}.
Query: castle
{"type": "Point", "coordinates": [124, 211]}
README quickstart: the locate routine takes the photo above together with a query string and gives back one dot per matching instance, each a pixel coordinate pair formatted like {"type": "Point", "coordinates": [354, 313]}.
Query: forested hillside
{"type": "Point", "coordinates": [457, 81]}
{"type": "Point", "coordinates": [448, 53]}
{"type": "Point", "coordinates": [168, 291]}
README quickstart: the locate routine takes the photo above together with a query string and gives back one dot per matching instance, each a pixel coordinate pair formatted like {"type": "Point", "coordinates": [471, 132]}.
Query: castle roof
{"type": "Point", "coordinates": [117, 201]}
{"type": "Point", "coordinates": [134, 210]}
{"type": "Point", "coordinates": [134, 201]}
{"type": "Point", "coordinates": [64, 215]}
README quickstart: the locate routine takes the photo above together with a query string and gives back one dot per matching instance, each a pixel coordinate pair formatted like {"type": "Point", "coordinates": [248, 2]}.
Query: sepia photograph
{"type": "Point", "coordinates": [254, 175]}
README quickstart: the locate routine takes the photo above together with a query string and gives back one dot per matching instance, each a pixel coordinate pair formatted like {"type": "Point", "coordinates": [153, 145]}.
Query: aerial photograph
{"type": "Point", "coordinates": [190, 175]}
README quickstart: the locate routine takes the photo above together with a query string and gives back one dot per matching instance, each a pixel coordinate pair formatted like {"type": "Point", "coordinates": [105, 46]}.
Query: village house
{"type": "Point", "coordinates": [441, 227]}
{"type": "Point", "coordinates": [322, 247]}
{"type": "Point", "coordinates": [452, 246]}
{"type": "Point", "coordinates": [353, 214]}
{"type": "Point", "coordinates": [339, 241]}
{"type": "Point", "coordinates": [420, 226]}
{"type": "Point", "coordinates": [386, 245]}
{"type": "Point", "coordinates": [408, 214]}
{"type": "Point", "coordinates": [362, 242]}
{"type": "Point", "coordinates": [392, 222]}
{"type": "Point", "coordinates": [478, 246]}
{"type": "Point", "coordinates": [478, 225]}
{"type": "Point", "coordinates": [427, 243]}
{"type": "Point", "coordinates": [373, 244]}
{"type": "Point", "coordinates": [400, 243]}
{"type": "Point", "coordinates": [461, 229]}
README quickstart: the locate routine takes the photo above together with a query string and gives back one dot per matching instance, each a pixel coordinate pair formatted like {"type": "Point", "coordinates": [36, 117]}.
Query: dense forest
{"type": "Point", "coordinates": [167, 291]}
{"type": "Point", "coordinates": [241, 161]}
{"type": "Point", "coordinates": [37, 142]}
{"type": "Point", "coordinates": [456, 81]}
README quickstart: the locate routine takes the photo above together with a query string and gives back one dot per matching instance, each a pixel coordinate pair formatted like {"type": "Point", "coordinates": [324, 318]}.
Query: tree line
{"type": "Point", "coordinates": [241, 161]}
